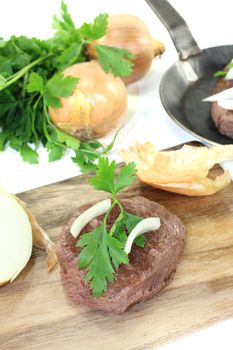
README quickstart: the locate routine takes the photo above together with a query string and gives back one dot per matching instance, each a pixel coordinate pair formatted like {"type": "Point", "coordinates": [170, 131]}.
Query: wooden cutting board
{"type": "Point", "coordinates": [35, 314]}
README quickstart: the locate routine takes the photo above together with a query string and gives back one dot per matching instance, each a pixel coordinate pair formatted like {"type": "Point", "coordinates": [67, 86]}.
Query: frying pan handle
{"type": "Point", "coordinates": [182, 38]}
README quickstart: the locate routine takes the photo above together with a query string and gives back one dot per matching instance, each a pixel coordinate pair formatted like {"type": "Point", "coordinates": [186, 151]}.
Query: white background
{"type": "Point", "coordinates": [211, 24]}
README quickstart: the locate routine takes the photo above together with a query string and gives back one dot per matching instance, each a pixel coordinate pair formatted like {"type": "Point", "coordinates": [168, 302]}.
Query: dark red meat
{"type": "Point", "coordinates": [223, 118]}
{"type": "Point", "coordinates": [150, 269]}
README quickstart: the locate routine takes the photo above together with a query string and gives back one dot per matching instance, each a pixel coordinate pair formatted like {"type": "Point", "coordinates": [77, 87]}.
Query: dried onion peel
{"type": "Point", "coordinates": [40, 238]}
{"type": "Point", "coordinates": [184, 171]}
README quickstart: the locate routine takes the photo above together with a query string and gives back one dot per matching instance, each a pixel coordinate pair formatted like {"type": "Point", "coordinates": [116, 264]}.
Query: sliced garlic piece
{"type": "Point", "coordinates": [146, 225]}
{"type": "Point", "coordinates": [98, 209]}
{"type": "Point", "coordinates": [15, 237]}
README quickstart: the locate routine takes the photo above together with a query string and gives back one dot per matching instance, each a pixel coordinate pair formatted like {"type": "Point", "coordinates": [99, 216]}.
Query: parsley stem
{"type": "Point", "coordinates": [25, 80]}
{"type": "Point", "coordinates": [22, 71]}
{"type": "Point", "coordinates": [108, 212]}
{"type": "Point", "coordinates": [45, 128]}
{"type": "Point", "coordinates": [33, 121]}
{"type": "Point", "coordinates": [75, 58]}
{"type": "Point", "coordinates": [120, 216]}
{"type": "Point", "coordinates": [46, 119]}
{"type": "Point", "coordinates": [95, 153]}
{"type": "Point", "coordinates": [110, 146]}
{"type": "Point", "coordinates": [47, 116]}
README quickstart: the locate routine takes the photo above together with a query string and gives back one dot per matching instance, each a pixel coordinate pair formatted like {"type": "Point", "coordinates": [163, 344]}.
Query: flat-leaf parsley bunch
{"type": "Point", "coordinates": [31, 81]}
{"type": "Point", "coordinates": [103, 249]}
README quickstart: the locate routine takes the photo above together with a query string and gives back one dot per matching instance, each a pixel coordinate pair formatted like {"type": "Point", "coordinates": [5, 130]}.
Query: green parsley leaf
{"type": "Point", "coordinates": [101, 253]}
{"type": "Point", "coordinates": [89, 152]}
{"type": "Point", "coordinates": [100, 25]}
{"type": "Point", "coordinates": [55, 151]}
{"type": "Point", "coordinates": [28, 154]}
{"type": "Point", "coordinates": [90, 241]}
{"type": "Point", "coordinates": [58, 86]}
{"type": "Point", "coordinates": [15, 142]}
{"type": "Point", "coordinates": [35, 83]}
{"type": "Point", "coordinates": [70, 55]}
{"type": "Point", "coordinates": [104, 178]}
{"type": "Point", "coordinates": [116, 252]}
{"type": "Point", "coordinates": [68, 140]}
{"type": "Point", "coordinates": [5, 66]}
{"type": "Point", "coordinates": [120, 232]}
{"type": "Point", "coordinates": [84, 161]}
{"type": "Point", "coordinates": [61, 86]}
{"type": "Point", "coordinates": [2, 43]}
{"type": "Point", "coordinates": [51, 100]}
{"type": "Point", "coordinates": [2, 80]}
{"type": "Point", "coordinates": [130, 221]}
{"type": "Point", "coordinates": [223, 73]}
{"type": "Point", "coordinates": [96, 30]}
{"type": "Point", "coordinates": [114, 60]}
{"type": "Point", "coordinates": [126, 176]}
{"type": "Point", "coordinates": [95, 144]}
{"type": "Point", "coordinates": [66, 23]}
{"type": "Point", "coordinates": [3, 140]}
{"type": "Point", "coordinates": [67, 17]}
{"type": "Point", "coordinates": [140, 241]}
{"type": "Point", "coordinates": [220, 73]}
{"type": "Point", "coordinates": [96, 257]}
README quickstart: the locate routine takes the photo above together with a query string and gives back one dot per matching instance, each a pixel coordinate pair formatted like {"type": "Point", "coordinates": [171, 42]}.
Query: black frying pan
{"type": "Point", "coordinates": [190, 79]}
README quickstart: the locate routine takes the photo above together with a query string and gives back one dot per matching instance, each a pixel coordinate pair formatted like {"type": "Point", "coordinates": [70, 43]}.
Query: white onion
{"type": "Point", "coordinates": [146, 225]}
{"type": "Point", "coordinates": [227, 104]}
{"type": "Point", "coordinates": [229, 75]}
{"type": "Point", "coordinates": [15, 237]}
{"type": "Point", "coordinates": [225, 94]}
{"type": "Point", "coordinates": [223, 98]}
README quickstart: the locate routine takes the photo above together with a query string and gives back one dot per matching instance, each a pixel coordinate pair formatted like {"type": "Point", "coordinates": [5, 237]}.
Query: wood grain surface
{"type": "Point", "coordinates": [35, 314]}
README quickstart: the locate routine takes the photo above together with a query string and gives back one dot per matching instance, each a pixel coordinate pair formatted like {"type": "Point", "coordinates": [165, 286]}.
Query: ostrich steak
{"type": "Point", "coordinates": [223, 118]}
{"type": "Point", "coordinates": [149, 269]}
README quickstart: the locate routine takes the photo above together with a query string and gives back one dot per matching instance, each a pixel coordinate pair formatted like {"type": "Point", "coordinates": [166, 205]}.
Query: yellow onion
{"type": "Point", "coordinates": [96, 105]}
{"type": "Point", "coordinates": [130, 33]}
{"type": "Point", "coordinates": [19, 231]}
